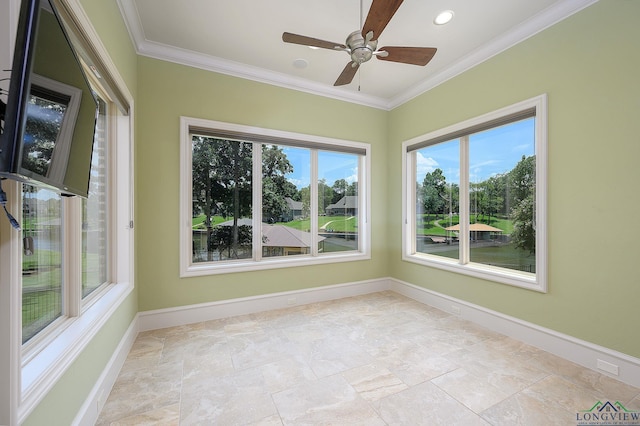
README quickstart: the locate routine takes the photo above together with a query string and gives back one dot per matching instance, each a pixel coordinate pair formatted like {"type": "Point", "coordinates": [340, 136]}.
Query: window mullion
{"type": "Point", "coordinates": [464, 201]}
{"type": "Point", "coordinates": [363, 212]}
{"type": "Point", "coordinates": [411, 218]}
{"type": "Point", "coordinates": [72, 258]}
{"type": "Point", "coordinates": [257, 201]}
{"type": "Point", "coordinates": [313, 202]}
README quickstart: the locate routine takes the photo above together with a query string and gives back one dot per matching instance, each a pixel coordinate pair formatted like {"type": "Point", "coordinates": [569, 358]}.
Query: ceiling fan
{"type": "Point", "coordinates": [362, 45]}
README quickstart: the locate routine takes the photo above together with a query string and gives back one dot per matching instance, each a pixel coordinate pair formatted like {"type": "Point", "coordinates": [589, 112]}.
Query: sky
{"type": "Point", "coordinates": [331, 166]}
{"type": "Point", "coordinates": [491, 152]}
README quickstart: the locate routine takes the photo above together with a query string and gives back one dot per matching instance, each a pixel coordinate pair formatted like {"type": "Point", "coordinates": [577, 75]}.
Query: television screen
{"type": "Point", "coordinates": [51, 109]}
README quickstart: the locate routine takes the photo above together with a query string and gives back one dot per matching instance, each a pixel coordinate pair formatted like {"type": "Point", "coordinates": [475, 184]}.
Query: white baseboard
{"type": "Point", "coordinates": [162, 318]}
{"type": "Point", "coordinates": [90, 410]}
{"type": "Point", "coordinates": [576, 350]}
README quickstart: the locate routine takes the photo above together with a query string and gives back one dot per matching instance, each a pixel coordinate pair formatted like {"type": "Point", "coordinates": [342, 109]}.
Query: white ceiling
{"type": "Point", "coordinates": [244, 38]}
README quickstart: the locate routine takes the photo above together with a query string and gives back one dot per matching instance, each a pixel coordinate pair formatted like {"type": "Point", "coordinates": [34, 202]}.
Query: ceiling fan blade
{"type": "Point", "coordinates": [310, 41]}
{"type": "Point", "coordinates": [347, 74]}
{"type": "Point", "coordinates": [379, 16]}
{"type": "Point", "coordinates": [408, 55]}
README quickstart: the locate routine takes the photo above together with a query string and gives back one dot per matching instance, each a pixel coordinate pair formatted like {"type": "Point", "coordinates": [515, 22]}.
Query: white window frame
{"type": "Point", "coordinates": [537, 281]}
{"type": "Point", "coordinates": [60, 155]}
{"type": "Point", "coordinates": [188, 125]}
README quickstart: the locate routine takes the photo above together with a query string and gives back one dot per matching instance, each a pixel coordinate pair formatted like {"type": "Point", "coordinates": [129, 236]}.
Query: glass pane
{"type": "Point", "coordinates": [94, 212]}
{"type": "Point", "coordinates": [285, 208]}
{"type": "Point", "coordinates": [438, 199]}
{"type": "Point", "coordinates": [221, 212]}
{"type": "Point", "coordinates": [502, 171]}
{"type": "Point", "coordinates": [43, 124]}
{"type": "Point", "coordinates": [337, 201]}
{"type": "Point", "coordinates": [41, 260]}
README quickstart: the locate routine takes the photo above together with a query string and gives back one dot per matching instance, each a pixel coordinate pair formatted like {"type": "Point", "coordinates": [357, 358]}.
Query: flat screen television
{"type": "Point", "coordinates": [51, 110]}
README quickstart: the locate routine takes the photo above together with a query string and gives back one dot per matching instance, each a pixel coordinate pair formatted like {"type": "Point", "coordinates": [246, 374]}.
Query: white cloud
{"type": "Point", "coordinates": [299, 183]}
{"type": "Point", "coordinates": [424, 164]}
{"type": "Point", "coordinates": [351, 179]}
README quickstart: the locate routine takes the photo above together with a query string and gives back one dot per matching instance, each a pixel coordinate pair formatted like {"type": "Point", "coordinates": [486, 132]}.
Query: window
{"type": "Point", "coordinates": [50, 221]}
{"type": "Point", "coordinates": [42, 289]}
{"type": "Point", "coordinates": [258, 198]}
{"type": "Point", "coordinates": [60, 103]}
{"type": "Point", "coordinates": [475, 196]}
{"type": "Point", "coordinates": [95, 209]}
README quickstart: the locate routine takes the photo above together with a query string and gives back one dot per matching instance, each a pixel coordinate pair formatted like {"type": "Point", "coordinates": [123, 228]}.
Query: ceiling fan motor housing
{"type": "Point", "coordinates": [360, 49]}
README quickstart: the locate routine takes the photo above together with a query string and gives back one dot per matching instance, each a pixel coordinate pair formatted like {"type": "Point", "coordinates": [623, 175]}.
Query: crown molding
{"type": "Point", "coordinates": [248, 72]}
{"type": "Point", "coordinates": [548, 17]}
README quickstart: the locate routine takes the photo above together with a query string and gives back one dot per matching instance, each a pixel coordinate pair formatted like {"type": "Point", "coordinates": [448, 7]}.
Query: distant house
{"type": "Point", "coordinates": [280, 240]}
{"type": "Point", "coordinates": [294, 212]}
{"type": "Point", "coordinates": [347, 206]}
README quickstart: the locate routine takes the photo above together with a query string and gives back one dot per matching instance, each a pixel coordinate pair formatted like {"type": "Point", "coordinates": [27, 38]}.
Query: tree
{"type": "Point", "coordinates": [434, 188]}
{"type": "Point", "coordinates": [222, 183]}
{"type": "Point", "coordinates": [325, 195]}
{"type": "Point", "coordinates": [452, 198]}
{"type": "Point", "coordinates": [353, 188]}
{"type": "Point", "coordinates": [522, 179]}
{"type": "Point", "coordinates": [222, 239]}
{"type": "Point", "coordinates": [41, 132]}
{"type": "Point", "coordinates": [524, 232]}
{"type": "Point", "coordinates": [340, 188]}
{"type": "Point", "coordinates": [522, 182]}
{"type": "Point", "coordinates": [305, 197]}
{"type": "Point", "coordinates": [275, 186]}
{"type": "Point", "coordinates": [494, 188]}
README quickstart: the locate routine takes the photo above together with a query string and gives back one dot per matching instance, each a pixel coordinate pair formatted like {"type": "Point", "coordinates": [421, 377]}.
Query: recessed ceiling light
{"type": "Point", "coordinates": [443, 17]}
{"type": "Point", "coordinates": [314, 47]}
{"type": "Point", "coordinates": [300, 63]}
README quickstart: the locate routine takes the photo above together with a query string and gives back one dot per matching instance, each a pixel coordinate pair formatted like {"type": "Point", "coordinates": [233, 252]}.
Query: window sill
{"type": "Point", "coordinates": [195, 270]}
{"type": "Point", "coordinates": [45, 368]}
{"type": "Point", "coordinates": [485, 272]}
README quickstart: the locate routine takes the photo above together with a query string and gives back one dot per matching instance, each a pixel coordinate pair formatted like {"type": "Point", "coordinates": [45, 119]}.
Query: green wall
{"type": "Point", "coordinates": [588, 65]}
{"type": "Point", "coordinates": [168, 91]}
{"type": "Point", "coordinates": [106, 19]}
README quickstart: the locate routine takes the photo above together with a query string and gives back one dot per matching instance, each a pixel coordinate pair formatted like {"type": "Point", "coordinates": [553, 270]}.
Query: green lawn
{"type": "Point", "coordinates": [198, 221]}
{"type": "Point", "coordinates": [334, 223]}
{"type": "Point", "coordinates": [428, 224]}
{"type": "Point", "coordinates": [41, 290]}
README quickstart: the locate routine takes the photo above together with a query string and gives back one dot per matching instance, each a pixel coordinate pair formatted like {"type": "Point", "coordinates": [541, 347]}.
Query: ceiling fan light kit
{"type": "Point", "coordinates": [362, 45]}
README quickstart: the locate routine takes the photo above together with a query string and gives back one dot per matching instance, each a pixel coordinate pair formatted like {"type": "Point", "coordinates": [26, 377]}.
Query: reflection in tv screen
{"type": "Point", "coordinates": [44, 121]}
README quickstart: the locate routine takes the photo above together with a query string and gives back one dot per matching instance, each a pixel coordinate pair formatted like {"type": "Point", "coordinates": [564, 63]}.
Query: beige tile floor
{"type": "Point", "coordinates": [377, 359]}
